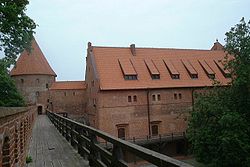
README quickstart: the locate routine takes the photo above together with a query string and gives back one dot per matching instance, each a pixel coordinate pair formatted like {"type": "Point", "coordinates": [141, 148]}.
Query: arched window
{"type": "Point", "coordinates": [6, 152]}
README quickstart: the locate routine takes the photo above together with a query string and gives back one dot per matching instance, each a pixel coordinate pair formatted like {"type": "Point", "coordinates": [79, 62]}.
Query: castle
{"type": "Point", "coordinates": [128, 92]}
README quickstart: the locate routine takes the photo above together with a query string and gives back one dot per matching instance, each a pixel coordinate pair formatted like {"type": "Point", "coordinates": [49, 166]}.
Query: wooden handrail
{"type": "Point", "coordinates": [86, 140]}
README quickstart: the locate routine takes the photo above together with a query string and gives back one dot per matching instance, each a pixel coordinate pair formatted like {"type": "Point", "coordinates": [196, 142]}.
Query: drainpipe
{"type": "Point", "coordinates": [148, 107]}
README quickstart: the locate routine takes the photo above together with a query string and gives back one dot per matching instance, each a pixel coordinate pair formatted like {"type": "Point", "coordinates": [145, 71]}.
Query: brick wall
{"type": "Point", "coordinates": [34, 88]}
{"type": "Point", "coordinates": [168, 109]}
{"type": "Point", "coordinates": [15, 132]}
{"type": "Point", "coordinates": [70, 101]}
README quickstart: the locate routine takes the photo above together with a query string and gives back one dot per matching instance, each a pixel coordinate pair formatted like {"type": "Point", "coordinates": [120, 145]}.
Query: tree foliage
{"type": "Point", "coordinates": [16, 33]}
{"type": "Point", "coordinates": [10, 97]}
{"type": "Point", "coordinates": [219, 127]}
{"type": "Point", "coordinates": [16, 29]}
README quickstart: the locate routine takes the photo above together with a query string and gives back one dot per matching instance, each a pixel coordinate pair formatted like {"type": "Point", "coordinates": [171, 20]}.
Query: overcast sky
{"type": "Point", "coordinates": [66, 26]}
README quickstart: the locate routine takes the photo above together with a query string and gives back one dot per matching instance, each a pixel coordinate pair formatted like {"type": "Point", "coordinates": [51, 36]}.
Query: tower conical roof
{"type": "Point", "coordinates": [33, 62]}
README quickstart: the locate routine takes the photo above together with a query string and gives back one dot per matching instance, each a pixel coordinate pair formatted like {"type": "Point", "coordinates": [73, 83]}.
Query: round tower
{"type": "Point", "coordinates": [33, 76]}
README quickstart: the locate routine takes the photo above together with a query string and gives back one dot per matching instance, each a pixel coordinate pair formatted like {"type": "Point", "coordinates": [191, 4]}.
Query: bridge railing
{"type": "Point", "coordinates": [86, 140]}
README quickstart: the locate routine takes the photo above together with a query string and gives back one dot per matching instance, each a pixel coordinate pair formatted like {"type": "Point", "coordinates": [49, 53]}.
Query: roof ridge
{"type": "Point", "coordinates": [160, 48]}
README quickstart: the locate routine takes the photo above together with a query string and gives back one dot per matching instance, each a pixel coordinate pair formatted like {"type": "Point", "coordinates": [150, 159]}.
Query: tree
{"type": "Point", "coordinates": [16, 29]}
{"type": "Point", "coordinates": [16, 33]}
{"type": "Point", "coordinates": [219, 127]}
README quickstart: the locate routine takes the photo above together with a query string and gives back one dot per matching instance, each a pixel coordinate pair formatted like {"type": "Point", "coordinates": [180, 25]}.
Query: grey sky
{"type": "Point", "coordinates": [65, 26]}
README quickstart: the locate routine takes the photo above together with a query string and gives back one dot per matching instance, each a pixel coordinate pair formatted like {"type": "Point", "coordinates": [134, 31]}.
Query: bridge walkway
{"type": "Point", "coordinates": [49, 149]}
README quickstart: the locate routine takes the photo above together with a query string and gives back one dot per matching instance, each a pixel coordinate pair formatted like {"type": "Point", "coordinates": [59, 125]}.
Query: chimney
{"type": "Point", "coordinates": [90, 47]}
{"type": "Point", "coordinates": [217, 46]}
{"type": "Point", "coordinates": [132, 49]}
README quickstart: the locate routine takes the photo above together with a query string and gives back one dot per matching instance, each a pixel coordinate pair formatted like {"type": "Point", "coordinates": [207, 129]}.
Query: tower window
{"type": "Point", "coordinates": [135, 98]}
{"type": "Point", "coordinates": [175, 96]}
{"type": "Point", "coordinates": [37, 81]}
{"type": "Point", "coordinates": [37, 93]}
{"type": "Point", "coordinates": [65, 93]}
{"type": "Point", "coordinates": [180, 96]}
{"type": "Point", "coordinates": [22, 81]}
{"type": "Point", "coordinates": [159, 97]}
{"type": "Point", "coordinates": [153, 98]}
{"type": "Point", "coordinates": [129, 99]}
{"type": "Point", "coordinates": [47, 85]}
{"type": "Point", "coordinates": [74, 93]}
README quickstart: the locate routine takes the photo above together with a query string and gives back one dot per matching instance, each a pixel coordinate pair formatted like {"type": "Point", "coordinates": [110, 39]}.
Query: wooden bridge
{"type": "Point", "coordinates": [82, 146]}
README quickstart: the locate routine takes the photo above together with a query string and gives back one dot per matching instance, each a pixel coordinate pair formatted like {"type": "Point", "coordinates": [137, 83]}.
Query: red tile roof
{"type": "Point", "coordinates": [32, 63]}
{"type": "Point", "coordinates": [111, 75]}
{"type": "Point", "coordinates": [68, 85]}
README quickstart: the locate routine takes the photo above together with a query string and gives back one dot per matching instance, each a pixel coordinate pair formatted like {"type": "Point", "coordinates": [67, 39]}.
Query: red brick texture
{"type": "Point", "coordinates": [15, 132]}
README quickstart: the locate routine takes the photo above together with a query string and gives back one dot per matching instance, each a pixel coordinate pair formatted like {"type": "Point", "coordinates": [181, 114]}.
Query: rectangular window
{"type": "Point", "coordinates": [155, 130]}
{"type": "Point", "coordinates": [121, 133]}
{"type": "Point", "coordinates": [129, 99]}
{"type": "Point", "coordinates": [130, 77]}
{"type": "Point", "coordinates": [155, 76]}
{"type": "Point", "coordinates": [159, 97]}
{"type": "Point", "coordinates": [65, 94]}
{"type": "Point", "coordinates": [37, 93]}
{"type": "Point", "coordinates": [135, 98]}
{"type": "Point", "coordinates": [74, 93]}
{"type": "Point", "coordinates": [153, 98]}
{"type": "Point", "coordinates": [175, 96]}
{"type": "Point", "coordinates": [180, 96]}
{"type": "Point", "coordinates": [47, 85]}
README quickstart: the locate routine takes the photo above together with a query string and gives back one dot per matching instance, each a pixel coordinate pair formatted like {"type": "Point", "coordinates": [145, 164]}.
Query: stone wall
{"type": "Point", "coordinates": [15, 131]}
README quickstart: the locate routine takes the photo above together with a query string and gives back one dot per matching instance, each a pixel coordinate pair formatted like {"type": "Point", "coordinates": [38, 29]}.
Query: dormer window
{"type": "Point", "coordinates": [222, 68]}
{"type": "Point", "coordinates": [190, 69]}
{"type": "Point", "coordinates": [152, 69]}
{"type": "Point", "coordinates": [155, 76]}
{"type": "Point", "coordinates": [175, 76]}
{"type": "Point", "coordinates": [172, 70]}
{"type": "Point", "coordinates": [130, 77]}
{"type": "Point", "coordinates": [128, 69]}
{"type": "Point", "coordinates": [208, 70]}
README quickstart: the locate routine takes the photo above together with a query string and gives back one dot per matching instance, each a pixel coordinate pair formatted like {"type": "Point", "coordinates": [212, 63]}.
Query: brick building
{"type": "Point", "coordinates": [36, 80]}
{"type": "Point", "coordinates": [139, 92]}
{"type": "Point", "coordinates": [128, 92]}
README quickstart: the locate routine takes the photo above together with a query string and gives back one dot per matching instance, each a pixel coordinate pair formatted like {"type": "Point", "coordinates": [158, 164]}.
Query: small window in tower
{"type": "Point", "coordinates": [92, 83]}
{"type": "Point", "coordinates": [175, 96]}
{"type": "Point", "coordinates": [48, 100]}
{"type": "Point", "coordinates": [37, 80]}
{"type": "Point", "coordinates": [159, 97]}
{"type": "Point", "coordinates": [37, 93]}
{"type": "Point", "coordinates": [129, 99]}
{"type": "Point", "coordinates": [22, 81]}
{"type": "Point", "coordinates": [135, 98]}
{"type": "Point", "coordinates": [47, 85]}
{"type": "Point", "coordinates": [74, 93]}
{"type": "Point", "coordinates": [153, 98]}
{"type": "Point", "coordinates": [65, 94]}
{"type": "Point", "coordinates": [180, 96]}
